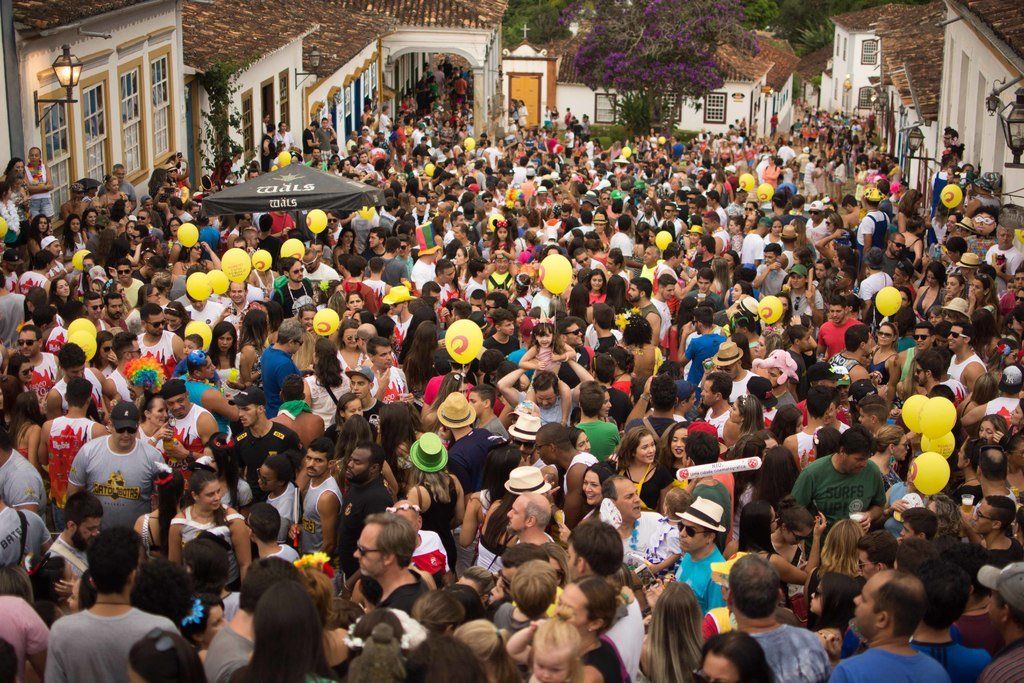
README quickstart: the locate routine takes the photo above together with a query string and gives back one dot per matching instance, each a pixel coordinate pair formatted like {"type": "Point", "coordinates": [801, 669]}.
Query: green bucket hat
{"type": "Point", "coordinates": [428, 454]}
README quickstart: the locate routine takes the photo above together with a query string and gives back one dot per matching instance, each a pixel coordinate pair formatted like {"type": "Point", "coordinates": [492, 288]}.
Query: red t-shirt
{"type": "Point", "coordinates": [834, 337]}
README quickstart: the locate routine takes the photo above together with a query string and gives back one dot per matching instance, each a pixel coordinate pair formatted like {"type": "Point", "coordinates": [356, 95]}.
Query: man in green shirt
{"type": "Point", "coordinates": [846, 484]}
{"type": "Point", "coordinates": [594, 407]}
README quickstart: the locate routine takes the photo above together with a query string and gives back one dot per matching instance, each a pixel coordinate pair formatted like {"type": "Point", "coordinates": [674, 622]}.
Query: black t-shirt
{"type": "Point", "coordinates": [272, 245]}
{"type": "Point", "coordinates": [1001, 558]}
{"type": "Point", "coordinates": [360, 501]}
{"type": "Point", "coordinates": [404, 597]}
{"type": "Point", "coordinates": [308, 141]}
{"type": "Point", "coordinates": [508, 347]}
{"type": "Point", "coordinates": [606, 661]}
{"type": "Point", "coordinates": [621, 406]}
{"type": "Point", "coordinates": [253, 450]}
{"type": "Point", "coordinates": [372, 415]}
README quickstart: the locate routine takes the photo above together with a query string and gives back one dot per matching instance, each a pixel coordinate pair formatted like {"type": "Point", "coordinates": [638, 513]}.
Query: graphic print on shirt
{"type": "Point", "coordinates": [66, 438]}
{"type": "Point", "coordinates": [44, 376]}
{"type": "Point", "coordinates": [115, 489]}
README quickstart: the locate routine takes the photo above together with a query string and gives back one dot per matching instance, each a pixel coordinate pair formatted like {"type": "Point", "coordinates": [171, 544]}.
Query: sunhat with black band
{"type": "Point", "coordinates": [455, 412]}
{"type": "Point", "coordinates": [525, 428]}
{"type": "Point", "coordinates": [428, 454]}
{"type": "Point", "coordinates": [728, 353]}
{"type": "Point", "coordinates": [703, 512]}
{"type": "Point", "coordinates": [527, 479]}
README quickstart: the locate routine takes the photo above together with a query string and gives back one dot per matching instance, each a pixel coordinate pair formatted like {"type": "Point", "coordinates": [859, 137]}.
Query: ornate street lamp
{"type": "Point", "coordinates": [67, 68]}
{"type": "Point", "coordinates": [915, 138]}
{"type": "Point", "coordinates": [1012, 120]}
{"type": "Point", "coordinates": [315, 57]}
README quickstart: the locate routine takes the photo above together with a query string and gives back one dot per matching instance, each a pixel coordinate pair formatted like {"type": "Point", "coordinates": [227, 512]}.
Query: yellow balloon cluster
{"type": "Point", "coordinates": [236, 264]}
{"type": "Point", "coordinates": [316, 221]}
{"type": "Point", "coordinates": [198, 286]}
{"type": "Point", "coordinates": [82, 325]}
{"type": "Point", "coordinates": [84, 341]}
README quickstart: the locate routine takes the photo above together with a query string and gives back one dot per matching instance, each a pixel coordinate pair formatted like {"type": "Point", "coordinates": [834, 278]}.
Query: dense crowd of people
{"type": "Point", "coordinates": [677, 451]}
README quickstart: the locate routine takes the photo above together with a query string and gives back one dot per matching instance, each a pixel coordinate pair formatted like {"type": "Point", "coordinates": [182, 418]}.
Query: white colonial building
{"type": "Point", "coordinates": [856, 60]}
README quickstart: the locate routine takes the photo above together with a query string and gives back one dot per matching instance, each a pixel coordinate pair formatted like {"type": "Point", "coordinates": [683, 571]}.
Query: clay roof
{"type": "Point", "coordinates": [911, 46]}
{"type": "Point", "coordinates": [239, 31]}
{"type": "Point", "coordinates": [784, 60]}
{"type": "Point", "coordinates": [1004, 17]}
{"type": "Point", "coordinates": [865, 19]}
{"type": "Point", "coordinates": [814, 63]}
{"type": "Point", "coordinates": [566, 49]}
{"type": "Point", "coordinates": [44, 14]}
{"type": "Point", "coordinates": [339, 41]}
{"type": "Point", "coordinates": [742, 65]}
{"type": "Point", "coordinates": [445, 13]}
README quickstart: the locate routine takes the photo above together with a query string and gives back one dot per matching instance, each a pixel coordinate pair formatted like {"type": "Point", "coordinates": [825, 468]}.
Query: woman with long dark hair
{"type": "Point", "coordinates": [832, 606]}
{"type": "Point", "coordinates": [237, 492]}
{"type": "Point", "coordinates": [153, 526]}
{"type": "Point", "coordinates": [486, 515]}
{"type": "Point", "coordinates": [165, 657]}
{"type": "Point", "coordinates": [255, 337]}
{"type": "Point", "coordinates": [397, 434]}
{"type": "Point", "coordinates": [757, 522]}
{"type": "Point", "coordinates": [224, 349]}
{"type": "Point", "coordinates": [26, 426]}
{"type": "Point", "coordinates": [289, 641]}
{"type": "Point", "coordinates": [419, 359]}
{"type": "Point", "coordinates": [734, 657]}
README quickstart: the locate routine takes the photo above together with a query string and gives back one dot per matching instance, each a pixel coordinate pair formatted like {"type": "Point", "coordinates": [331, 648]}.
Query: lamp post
{"type": "Point", "coordinates": [315, 57]}
{"type": "Point", "coordinates": [1012, 120]}
{"type": "Point", "coordinates": [67, 68]}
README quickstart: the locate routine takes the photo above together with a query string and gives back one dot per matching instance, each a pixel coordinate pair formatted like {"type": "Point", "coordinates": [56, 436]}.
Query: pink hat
{"type": "Point", "coordinates": [779, 360]}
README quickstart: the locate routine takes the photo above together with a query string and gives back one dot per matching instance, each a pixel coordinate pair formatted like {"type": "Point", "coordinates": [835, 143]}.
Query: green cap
{"type": "Point", "coordinates": [799, 269]}
{"type": "Point", "coordinates": [428, 454]}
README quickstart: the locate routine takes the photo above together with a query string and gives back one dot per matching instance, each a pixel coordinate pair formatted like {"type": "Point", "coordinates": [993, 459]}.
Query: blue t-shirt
{"type": "Point", "coordinates": [195, 394]}
{"type": "Point", "coordinates": [697, 575]}
{"type": "Point", "coordinates": [276, 365]}
{"type": "Point", "coordinates": [879, 665]}
{"type": "Point", "coordinates": [963, 664]}
{"type": "Point", "coordinates": [466, 458]}
{"type": "Point", "coordinates": [699, 349]}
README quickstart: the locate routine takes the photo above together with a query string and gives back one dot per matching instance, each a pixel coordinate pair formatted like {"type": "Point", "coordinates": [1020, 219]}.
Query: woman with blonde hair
{"type": "Point", "coordinates": [890, 448]}
{"type": "Point", "coordinates": [838, 554]}
{"type": "Point", "coordinates": [745, 417]}
{"type": "Point", "coordinates": [488, 644]}
{"type": "Point", "coordinates": [318, 586]}
{"type": "Point", "coordinates": [671, 649]}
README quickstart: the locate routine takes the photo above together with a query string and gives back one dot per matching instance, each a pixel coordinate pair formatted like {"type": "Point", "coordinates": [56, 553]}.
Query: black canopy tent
{"type": "Point", "coordinates": [294, 188]}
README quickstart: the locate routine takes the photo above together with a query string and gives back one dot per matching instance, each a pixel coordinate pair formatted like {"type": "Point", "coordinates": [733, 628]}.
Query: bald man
{"type": "Point", "coordinates": [529, 517]}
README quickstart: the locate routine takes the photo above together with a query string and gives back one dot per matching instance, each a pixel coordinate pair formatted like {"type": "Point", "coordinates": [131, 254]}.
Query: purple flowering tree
{"type": "Point", "coordinates": [655, 51]}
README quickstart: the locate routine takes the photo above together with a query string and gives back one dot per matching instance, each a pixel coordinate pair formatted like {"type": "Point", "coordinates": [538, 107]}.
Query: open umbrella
{"type": "Point", "coordinates": [294, 188]}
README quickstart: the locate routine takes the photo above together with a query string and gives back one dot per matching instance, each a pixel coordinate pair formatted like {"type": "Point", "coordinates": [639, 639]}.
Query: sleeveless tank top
{"type": "Point", "coordinates": [806, 449]}
{"type": "Point", "coordinates": [162, 351]}
{"type": "Point", "coordinates": [67, 436]}
{"type": "Point", "coordinates": [186, 432]}
{"type": "Point", "coordinates": [957, 369]}
{"type": "Point", "coordinates": [195, 394]}
{"type": "Point", "coordinates": [56, 340]}
{"type": "Point", "coordinates": [190, 530]}
{"type": "Point", "coordinates": [43, 378]}
{"type": "Point", "coordinates": [312, 527]}
{"type": "Point", "coordinates": [121, 384]}
{"type": "Point", "coordinates": [61, 388]}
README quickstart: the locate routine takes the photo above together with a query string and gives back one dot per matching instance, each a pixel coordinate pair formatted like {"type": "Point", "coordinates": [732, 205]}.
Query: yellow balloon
{"type": "Point", "coordinates": [316, 221]}
{"type": "Point", "coordinates": [326, 322]}
{"type": "Point", "coordinates": [188, 235]}
{"type": "Point", "coordinates": [888, 301]}
{"type": "Point", "coordinates": [82, 325]}
{"type": "Point", "coordinates": [261, 260]}
{"type": "Point", "coordinates": [203, 330]}
{"type": "Point", "coordinates": [274, 167]}
{"type": "Point", "coordinates": [367, 212]}
{"type": "Point", "coordinates": [626, 152]}
{"type": "Point", "coordinates": [429, 170]}
{"type": "Point", "coordinates": [951, 196]}
{"type": "Point", "coordinates": [78, 260]}
{"type": "Point", "coordinates": [912, 412]}
{"type": "Point", "coordinates": [283, 159]}
{"type": "Point", "coordinates": [293, 247]}
{"type": "Point", "coordinates": [555, 273]}
{"type": "Point", "coordinates": [235, 264]}
{"type": "Point", "coordinates": [219, 282]}
{"type": "Point", "coordinates": [929, 473]}
{"type": "Point", "coordinates": [943, 445]}
{"type": "Point", "coordinates": [937, 417]}
{"type": "Point", "coordinates": [463, 340]}
{"type": "Point", "coordinates": [765, 192]}
{"type": "Point", "coordinates": [747, 182]}
{"type": "Point", "coordinates": [469, 144]}
{"type": "Point", "coordinates": [198, 286]}
{"type": "Point", "coordinates": [84, 341]}
{"type": "Point", "coordinates": [661, 139]}
{"type": "Point", "coordinates": [770, 309]}
{"type": "Point", "coordinates": [3, 227]}
{"type": "Point", "coordinates": [663, 239]}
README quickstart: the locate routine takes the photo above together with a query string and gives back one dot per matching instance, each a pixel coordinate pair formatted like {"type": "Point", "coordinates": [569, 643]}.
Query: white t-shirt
{"type": "Point", "coordinates": [209, 315]}
{"type": "Point", "coordinates": [1013, 259]}
{"type": "Point", "coordinates": [739, 386]}
{"type": "Point", "coordinates": [628, 636]}
{"type": "Point", "coordinates": [873, 284]}
{"type": "Point", "coordinates": [753, 248]}
{"type": "Point", "coordinates": [867, 226]}
{"type": "Point", "coordinates": [622, 242]}
{"type": "Point", "coordinates": [422, 273]}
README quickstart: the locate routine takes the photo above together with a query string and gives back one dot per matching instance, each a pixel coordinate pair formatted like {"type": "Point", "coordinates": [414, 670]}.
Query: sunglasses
{"type": "Point", "coordinates": [27, 342]}
{"type": "Point", "coordinates": [125, 430]}
{"type": "Point", "coordinates": [158, 323]}
{"type": "Point", "coordinates": [921, 337]}
{"type": "Point", "coordinates": [957, 335]}
{"type": "Point", "coordinates": [692, 531]}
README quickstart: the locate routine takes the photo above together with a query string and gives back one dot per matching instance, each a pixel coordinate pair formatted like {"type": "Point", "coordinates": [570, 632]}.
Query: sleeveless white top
{"type": "Point", "coordinates": [957, 369]}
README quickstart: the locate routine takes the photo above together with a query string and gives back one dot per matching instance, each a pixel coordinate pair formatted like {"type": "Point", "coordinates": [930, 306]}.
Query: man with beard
{"type": "Point", "coordinates": [260, 439]}
{"type": "Point", "coordinates": [130, 286]}
{"type": "Point", "coordinates": [321, 500]}
{"type": "Point", "coordinates": [639, 296]}
{"type": "Point", "coordinates": [385, 549]}
{"type": "Point", "coordinates": [43, 364]}
{"type": "Point", "coordinates": [113, 312]}
{"type": "Point", "coordinates": [82, 516]}
{"type": "Point", "coordinates": [366, 495]}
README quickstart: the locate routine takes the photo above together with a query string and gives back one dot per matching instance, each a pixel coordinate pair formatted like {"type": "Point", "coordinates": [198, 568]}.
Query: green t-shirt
{"type": "Point", "coordinates": [821, 488]}
{"type": "Point", "coordinates": [604, 438]}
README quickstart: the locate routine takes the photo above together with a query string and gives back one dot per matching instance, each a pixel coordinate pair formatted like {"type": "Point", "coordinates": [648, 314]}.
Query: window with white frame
{"type": "Point", "coordinates": [869, 52]}
{"type": "Point", "coordinates": [57, 151]}
{"type": "Point", "coordinates": [714, 107]}
{"type": "Point", "coordinates": [864, 97]}
{"type": "Point", "coordinates": [604, 108]}
{"type": "Point", "coordinates": [161, 106]}
{"type": "Point", "coordinates": [131, 122]}
{"type": "Point", "coordinates": [94, 124]}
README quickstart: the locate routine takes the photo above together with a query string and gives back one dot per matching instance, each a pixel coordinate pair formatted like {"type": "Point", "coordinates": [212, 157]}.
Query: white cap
{"type": "Point", "coordinates": [47, 241]}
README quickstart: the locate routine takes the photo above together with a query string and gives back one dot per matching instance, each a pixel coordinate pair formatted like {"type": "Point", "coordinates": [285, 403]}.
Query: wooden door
{"type": "Point", "coordinates": [526, 87]}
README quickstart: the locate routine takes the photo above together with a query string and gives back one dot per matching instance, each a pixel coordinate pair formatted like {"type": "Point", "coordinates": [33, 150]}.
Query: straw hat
{"type": "Point", "coordinates": [702, 512]}
{"type": "Point", "coordinates": [969, 260]}
{"type": "Point", "coordinates": [527, 479]}
{"type": "Point", "coordinates": [455, 412]}
{"type": "Point", "coordinates": [728, 353]}
{"type": "Point", "coordinates": [956, 305]}
{"type": "Point", "coordinates": [428, 454]}
{"type": "Point", "coordinates": [525, 428]}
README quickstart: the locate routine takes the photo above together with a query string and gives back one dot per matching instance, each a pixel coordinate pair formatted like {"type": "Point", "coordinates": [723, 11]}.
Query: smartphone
{"type": "Point", "coordinates": [646, 576]}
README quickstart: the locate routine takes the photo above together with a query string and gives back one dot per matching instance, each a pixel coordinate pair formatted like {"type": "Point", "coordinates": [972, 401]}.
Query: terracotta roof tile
{"type": "Point", "coordinates": [339, 41]}
{"type": "Point", "coordinates": [742, 65]}
{"type": "Point", "coordinates": [783, 59]}
{"type": "Point", "coordinates": [44, 14]}
{"type": "Point", "coordinates": [567, 57]}
{"type": "Point", "coordinates": [1004, 17]}
{"type": "Point", "coordinates": [238, 30]}
{"type": "Point", "coordinates": [447, 13]}
{"type": "Point", "coordinates": [911, 46]}
{"type": "Point", "coordinates": [865, 19]}
{"type": "Point", "coordinates": [814, 63]}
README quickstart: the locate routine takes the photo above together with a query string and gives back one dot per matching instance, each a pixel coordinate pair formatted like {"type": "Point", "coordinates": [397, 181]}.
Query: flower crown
{"type": "Point", "coordinates": [319, 561]}
{"type": "Point", "coordinates": [195, 617]}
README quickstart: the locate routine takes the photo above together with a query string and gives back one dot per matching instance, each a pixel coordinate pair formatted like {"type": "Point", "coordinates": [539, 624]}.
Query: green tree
{"type": "Point", "coordinates": [760, 14]}
{"type": "Point", "coordinates": [541, 17]}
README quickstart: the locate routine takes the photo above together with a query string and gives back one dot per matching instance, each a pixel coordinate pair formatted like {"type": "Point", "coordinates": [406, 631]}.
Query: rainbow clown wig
{"type": "Point", "coordinates": [145, 373]}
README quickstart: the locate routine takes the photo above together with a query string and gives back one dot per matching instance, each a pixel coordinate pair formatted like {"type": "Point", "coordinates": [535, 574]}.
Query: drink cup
{"type": "Point", "coordinates": [967, 503]}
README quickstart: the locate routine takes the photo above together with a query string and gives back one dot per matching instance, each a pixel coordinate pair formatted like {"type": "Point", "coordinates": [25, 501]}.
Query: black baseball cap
{"type": "Point", "coordinates": [11, 256]}
{"type": "Point", "coordinates": [861, 389]}
{"type": "Point", "coordinates": [821, 372]}
{"type": "Point", "coordinates": [172, 388]}
{"type": "Point", "coordinates": [761, 389]}
{"type": "Point", "coordinates": [124, 415]}
{"type": "Point", "coordinates": [249, 397]}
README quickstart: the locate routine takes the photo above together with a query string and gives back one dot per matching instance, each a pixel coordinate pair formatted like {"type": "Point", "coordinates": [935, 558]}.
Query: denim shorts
{"type": "Point", "coordinates": [40, 205]}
